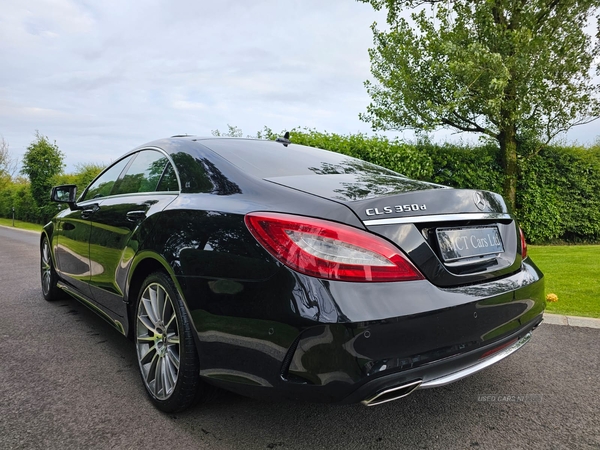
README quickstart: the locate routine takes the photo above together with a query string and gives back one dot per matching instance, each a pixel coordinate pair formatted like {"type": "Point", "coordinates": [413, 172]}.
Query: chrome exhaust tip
{"type": "Point", "coordinates": [391, 394]}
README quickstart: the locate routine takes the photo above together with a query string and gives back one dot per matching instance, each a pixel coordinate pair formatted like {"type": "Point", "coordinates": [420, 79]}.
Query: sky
{"type": "Point", "coordinates": [102, 77]}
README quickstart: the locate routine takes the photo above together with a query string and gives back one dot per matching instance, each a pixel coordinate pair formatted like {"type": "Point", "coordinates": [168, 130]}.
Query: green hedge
{"type": "Point", "coordinates": [558, 196]}
{"type": "Point", "coordinates": [18, 195]}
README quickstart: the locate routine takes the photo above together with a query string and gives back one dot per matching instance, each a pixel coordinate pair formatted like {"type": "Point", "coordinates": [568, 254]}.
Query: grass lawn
{"type": "Point", "coordinates": [22, 225]}
{"type": "Point", "coordinates": [573, 274]}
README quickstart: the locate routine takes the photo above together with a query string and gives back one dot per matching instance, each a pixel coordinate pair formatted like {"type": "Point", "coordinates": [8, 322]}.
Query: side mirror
{"type": "Point", "coordinates": [67, 193]}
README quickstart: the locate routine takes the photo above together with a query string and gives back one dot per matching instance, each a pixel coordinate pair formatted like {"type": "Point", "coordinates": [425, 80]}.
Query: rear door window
{"type": "Point", "coordinates": [168, 182]}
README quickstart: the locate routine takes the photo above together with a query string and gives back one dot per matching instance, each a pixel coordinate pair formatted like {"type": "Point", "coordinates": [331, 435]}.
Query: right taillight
{"type": "Point", "coordinates": [523, 244]}
{"type": "Point", "coordinates": [329, 250]}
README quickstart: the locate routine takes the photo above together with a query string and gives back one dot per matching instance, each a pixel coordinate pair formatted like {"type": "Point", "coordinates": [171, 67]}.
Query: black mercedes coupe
{"type": "Point", "coordinates": [277, 270]}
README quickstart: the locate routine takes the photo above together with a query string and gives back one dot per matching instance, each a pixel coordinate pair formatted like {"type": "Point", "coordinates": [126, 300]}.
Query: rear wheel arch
{"type": "Point", "coordinates": [145, 264]}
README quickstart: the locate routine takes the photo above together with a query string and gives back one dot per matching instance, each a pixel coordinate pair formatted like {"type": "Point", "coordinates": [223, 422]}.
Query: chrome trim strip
{"type": "Point", "coordinates": [438, 218]}
{"type": "Point", "coordinates": [410, 387]}
{"type": "Point", "coordinates": [447, 379]}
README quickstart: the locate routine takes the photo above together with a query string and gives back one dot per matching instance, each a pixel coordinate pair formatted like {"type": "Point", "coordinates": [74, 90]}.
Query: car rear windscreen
{"type": "Point", "coordinates": [268, 159]}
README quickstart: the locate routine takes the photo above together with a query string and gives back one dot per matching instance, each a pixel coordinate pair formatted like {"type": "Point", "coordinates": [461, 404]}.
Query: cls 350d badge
{"type": "Point", "coordinates": [395, 209]}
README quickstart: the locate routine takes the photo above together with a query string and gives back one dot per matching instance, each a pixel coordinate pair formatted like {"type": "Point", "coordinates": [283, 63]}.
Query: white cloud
{"type": "Point", "coordinates": [101, 77]}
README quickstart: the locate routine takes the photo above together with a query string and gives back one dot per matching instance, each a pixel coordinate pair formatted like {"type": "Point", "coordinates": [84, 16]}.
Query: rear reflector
{"type": "Point", "coordinates": [497, 349]}
{"type": "Point", "coordinates": [329, 250]}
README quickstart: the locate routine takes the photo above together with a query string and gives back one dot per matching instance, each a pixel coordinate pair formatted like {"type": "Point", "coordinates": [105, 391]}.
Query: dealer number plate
{"type": "Point", "coordinates": [461, 243]}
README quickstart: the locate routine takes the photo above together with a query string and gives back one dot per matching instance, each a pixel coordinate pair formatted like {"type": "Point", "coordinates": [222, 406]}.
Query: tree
{"type": "Point", "coordinates": [42, 162]}
{"type": "Point", "coordinates": [84, 174]}
{"type": "Point", "coordinates": [8, 165]}
{"type": "Point", "coordinates": [232, 131]}
{"type": "Point", "coordinates": [514, 70]}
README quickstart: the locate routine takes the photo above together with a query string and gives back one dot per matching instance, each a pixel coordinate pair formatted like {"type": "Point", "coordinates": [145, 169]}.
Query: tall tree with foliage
{"type": "Point", "coordinates": [513, 70]}
{"type": "Point", "coordinates": [8, 164]}
{"type": "Point", "coordinates": [42, 162]}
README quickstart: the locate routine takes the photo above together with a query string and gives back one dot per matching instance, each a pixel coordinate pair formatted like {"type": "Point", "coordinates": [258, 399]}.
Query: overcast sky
{"type": "Point", "coordinates": [102, 77]}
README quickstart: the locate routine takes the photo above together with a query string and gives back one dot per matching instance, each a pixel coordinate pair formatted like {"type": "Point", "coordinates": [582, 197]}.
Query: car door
{"type": "Point", "coordinates": [73, 231]}
{"type": "Point", "coordinates": [124, 220]}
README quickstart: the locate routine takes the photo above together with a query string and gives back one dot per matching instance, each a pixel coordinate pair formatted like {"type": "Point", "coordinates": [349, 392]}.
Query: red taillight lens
{"type": "Point", "coordinates": [523, 244]}
{"type": "Point", "coordinates": [324, 249]}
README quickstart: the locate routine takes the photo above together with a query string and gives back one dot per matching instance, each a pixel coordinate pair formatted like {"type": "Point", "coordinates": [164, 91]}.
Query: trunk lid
{"type": "Point", "coordinates": [454, 236]}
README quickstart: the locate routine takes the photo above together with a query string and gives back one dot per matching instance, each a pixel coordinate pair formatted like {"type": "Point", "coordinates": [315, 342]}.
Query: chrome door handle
{"type": "Point", "coordinates": [135, 216]}
{"type": "Point", "coordinates": [88, 210]}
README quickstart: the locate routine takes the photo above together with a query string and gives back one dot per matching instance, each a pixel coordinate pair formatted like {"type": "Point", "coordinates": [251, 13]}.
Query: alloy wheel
{"type": "Point", "coordinates": [157, 341]}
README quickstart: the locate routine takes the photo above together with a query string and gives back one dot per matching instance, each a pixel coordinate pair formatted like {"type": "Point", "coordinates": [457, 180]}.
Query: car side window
{"type": "Point", "coordinates": [168, 182]}
{"type": "Point", "coordinates": [104, 184]}
{"type": "Point", "coordinates": [143, 174]}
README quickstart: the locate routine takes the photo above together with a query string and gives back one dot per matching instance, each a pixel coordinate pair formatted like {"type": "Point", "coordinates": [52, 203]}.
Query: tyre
{"type": "Point", "coordinates": [49, 278]}
{"type": "Point", "coordinates": [165, 345]}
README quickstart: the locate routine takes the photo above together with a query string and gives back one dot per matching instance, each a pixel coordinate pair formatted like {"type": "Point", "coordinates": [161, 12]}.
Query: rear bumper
{"type": "Point", "coordinates": [353, 352]}
{"type": "Point", "coordinates": [372, 391]}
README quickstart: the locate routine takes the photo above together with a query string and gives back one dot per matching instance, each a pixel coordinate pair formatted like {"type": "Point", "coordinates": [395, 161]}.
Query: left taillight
{"type": "Point", "coordinates": [329, 250]}
{"type": "Point", "coordinates": [523, 244]}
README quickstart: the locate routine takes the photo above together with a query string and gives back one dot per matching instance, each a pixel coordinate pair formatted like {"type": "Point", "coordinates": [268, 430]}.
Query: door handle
{"type": "Point", "coordinates": [135, 216]}
{"type": "Point", "coordinates": [88, 210]}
